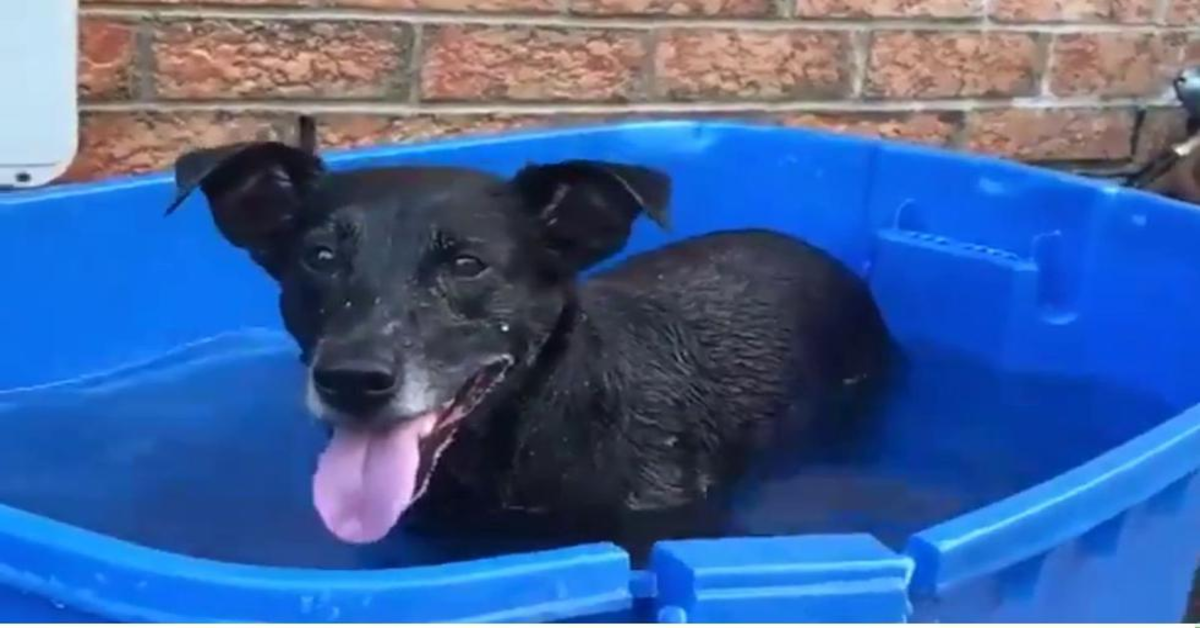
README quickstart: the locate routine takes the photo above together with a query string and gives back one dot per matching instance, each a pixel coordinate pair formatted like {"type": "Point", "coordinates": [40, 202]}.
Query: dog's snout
{"type": "Point", "coordinates": [356, 385]}
{"type": "Point", "coordinates": [367, 377]}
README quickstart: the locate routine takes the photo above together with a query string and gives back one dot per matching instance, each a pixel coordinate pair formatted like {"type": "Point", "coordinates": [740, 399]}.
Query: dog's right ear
{"type": "Point", "coordinates": [255, 191]}
{"type": "Point", "coordinates": [586, 209]}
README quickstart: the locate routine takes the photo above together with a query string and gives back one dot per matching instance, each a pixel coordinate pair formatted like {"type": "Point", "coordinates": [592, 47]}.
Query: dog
{"type": "Point", "coordinates": [468, 374]}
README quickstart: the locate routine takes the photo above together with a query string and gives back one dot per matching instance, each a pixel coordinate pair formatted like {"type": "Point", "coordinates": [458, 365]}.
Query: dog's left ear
{"type": "Point", "coordinates": [586, 209]}
{"type": "Point", "coordinates": [255, 191]}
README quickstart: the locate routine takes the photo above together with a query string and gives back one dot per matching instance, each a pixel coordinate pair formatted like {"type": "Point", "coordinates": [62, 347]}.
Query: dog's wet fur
{"type": "Point", "coordinates": [608, 406]}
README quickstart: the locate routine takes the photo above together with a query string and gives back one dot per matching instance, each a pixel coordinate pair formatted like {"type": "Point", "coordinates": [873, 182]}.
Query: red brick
{"type": "Point", "coordinates": [452, 6]}
{"type": "Point", "coordinates": [1160, 129]}
{"type": "Point", "coordinates": [106, 51]}
{"type": "Point", "coordinates": [941, 64]}
{"type": "Point", "coordinates": [1133, 11]}
{"type": "Point", "coordinates": [1191, 56]}
{"type": "Point", "coordinates": [888, 8]}
{"type": "Point", "coordinates": [354, 130]}
{"type": "Point", "coordinates": [1073, 10]}
{"type": "Point", "coordinates": [228, 59]}
{"type": "Point", "coordinates": [1184, 12]}
{"type": "Point", "coordinates": [1051, 134]}
{"type": "Point", "coordinates": [465, 63]}
{"type": "Point", "coordinates": [118, 143]}
{"type": "Point", "coordinates": [768, 65]}
{"type": "Point", "coordinates": [935, 129]}
{"type": "Point", "coordinates": [449, 6]}
{"type": "Point", "coordinates": [227, 3]}
{"type": "Point", "coordinates": [678, 8]}
{"type": "Point", "coordinates": [1114, 64]}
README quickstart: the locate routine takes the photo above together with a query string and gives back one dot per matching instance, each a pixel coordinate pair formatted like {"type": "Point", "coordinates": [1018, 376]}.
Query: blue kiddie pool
{"type": "Point", "coordinates": [1036, 461]}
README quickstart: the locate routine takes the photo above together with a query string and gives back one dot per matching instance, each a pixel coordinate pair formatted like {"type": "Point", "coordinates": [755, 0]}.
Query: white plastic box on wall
{"type": "Point", "coordinates": [39, 116]}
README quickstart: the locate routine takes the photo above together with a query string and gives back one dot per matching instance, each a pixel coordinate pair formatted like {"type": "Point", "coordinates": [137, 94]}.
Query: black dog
{"type": "Point", "coordinates": [459, 361]}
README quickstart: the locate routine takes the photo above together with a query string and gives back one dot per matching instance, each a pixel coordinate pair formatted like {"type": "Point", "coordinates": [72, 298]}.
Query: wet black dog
{"type": "Point", "coordinates": [464, 370]}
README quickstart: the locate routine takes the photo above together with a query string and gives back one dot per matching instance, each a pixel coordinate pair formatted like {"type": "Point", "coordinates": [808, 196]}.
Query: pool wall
{"type": "Point", "coordinates": [1028, 269]}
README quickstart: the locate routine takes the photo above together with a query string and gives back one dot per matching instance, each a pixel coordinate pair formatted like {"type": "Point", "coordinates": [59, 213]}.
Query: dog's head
{"type": "Point", "coordinates": [414, 293]}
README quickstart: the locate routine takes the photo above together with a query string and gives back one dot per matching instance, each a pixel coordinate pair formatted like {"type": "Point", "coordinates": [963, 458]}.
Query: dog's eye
{"type": "Point", "coordinates": [319, 258]}
{"type": "Point", "coordinates": [467, 266]}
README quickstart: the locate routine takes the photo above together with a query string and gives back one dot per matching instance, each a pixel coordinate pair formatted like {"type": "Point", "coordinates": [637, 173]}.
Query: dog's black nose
{"type": "Point", "coordinates": [356, 385]}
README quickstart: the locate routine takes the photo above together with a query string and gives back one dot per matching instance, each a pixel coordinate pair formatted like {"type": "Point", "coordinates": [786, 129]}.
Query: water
{"type": "Point", "coordinates": [952, 436]}
{"type": "Point", "coordinates": [209, 452]}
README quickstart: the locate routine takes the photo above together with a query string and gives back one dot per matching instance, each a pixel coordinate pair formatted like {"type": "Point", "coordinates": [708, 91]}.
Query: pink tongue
{"type": "Point", "coordinates": [365, 481]}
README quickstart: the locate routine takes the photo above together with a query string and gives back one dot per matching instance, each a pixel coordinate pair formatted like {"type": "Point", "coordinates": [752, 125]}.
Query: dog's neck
{"type": "Point", "coordinates": [553, 349]}
{"type": "Point", "coordinates": [511, 421]}
{"type": "Point", "coordinates": [496, 437]}
{"type": "Point", "coordinates": [549, 397]}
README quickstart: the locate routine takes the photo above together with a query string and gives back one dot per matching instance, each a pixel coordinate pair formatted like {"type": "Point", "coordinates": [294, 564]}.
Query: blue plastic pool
{"type": "Point", "coordinates": [128, 336]}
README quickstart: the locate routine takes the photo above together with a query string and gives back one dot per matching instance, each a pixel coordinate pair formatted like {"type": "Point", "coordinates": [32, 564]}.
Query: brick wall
{"type": "Point", "coordinates": [1080, 81]}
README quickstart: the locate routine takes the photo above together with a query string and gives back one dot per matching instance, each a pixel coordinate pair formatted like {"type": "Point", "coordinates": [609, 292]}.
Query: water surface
{"type": "Point", "coordinates": [209, 452]}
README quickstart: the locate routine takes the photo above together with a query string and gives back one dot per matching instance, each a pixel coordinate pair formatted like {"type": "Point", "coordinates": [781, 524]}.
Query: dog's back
{"type": "Point", "coordinates": [751, 305]}
{"type": "Point", "coordinates": [687, 362]}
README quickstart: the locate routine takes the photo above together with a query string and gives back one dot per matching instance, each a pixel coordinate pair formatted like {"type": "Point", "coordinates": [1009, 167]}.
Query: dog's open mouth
{"type": "Point", "coordinates": [366, 480]}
